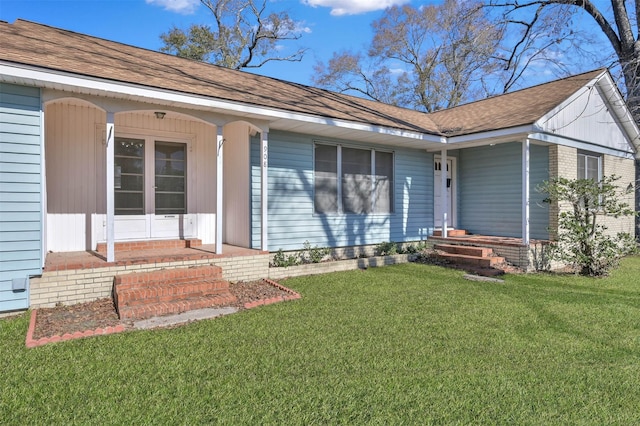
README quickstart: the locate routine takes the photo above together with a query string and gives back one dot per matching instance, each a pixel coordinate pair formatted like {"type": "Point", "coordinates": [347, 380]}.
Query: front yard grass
{"type": "Point", "coordinates": [407, 344]}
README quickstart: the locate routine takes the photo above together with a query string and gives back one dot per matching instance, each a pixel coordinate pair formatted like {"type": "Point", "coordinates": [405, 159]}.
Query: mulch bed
{"type": "Point", "coordinates": [101, 314]}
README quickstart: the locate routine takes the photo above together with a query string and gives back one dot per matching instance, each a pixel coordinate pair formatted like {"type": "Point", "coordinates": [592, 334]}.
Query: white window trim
{"type": "Point", "coordinates": [595, 155]}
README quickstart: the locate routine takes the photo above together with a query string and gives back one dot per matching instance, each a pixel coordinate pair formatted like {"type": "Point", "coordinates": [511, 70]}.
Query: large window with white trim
{"type": "Point", "coordinates": [589, 166]}
{"type": "Point", "coordinates": [352, 180]}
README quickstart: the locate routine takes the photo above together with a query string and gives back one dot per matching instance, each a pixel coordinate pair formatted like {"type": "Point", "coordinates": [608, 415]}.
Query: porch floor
{"type": "Point", "coordinates": [477, 239]}
{"type": "Point", "coordinates": [63, 261]}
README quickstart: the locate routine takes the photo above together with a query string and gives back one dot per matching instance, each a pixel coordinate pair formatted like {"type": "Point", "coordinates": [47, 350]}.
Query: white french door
{"type": "Point", "coordinates": [437, 192]}
{"type": "Point", "coordinates": [150, 184]}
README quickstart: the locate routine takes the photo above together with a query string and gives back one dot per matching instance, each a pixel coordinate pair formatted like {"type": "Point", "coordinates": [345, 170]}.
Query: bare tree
{"type": "Point", "coordinates": [617, 20]}
{"type": "Point", "coordinates": [243, 35]}
{"type": "Point", "coordinates": [427, 58]}
{"type": "Point", "coordinates": [612, 18]}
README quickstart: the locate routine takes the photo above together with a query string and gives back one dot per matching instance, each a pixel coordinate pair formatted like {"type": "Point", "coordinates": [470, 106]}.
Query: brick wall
{"type": "Point", "coordinates": [339, 265]}
{"type": "Point", "coordinates": [84, 285]}
{"type": "Point", "coordinates": [627, 172]}
{"type": "Point", "coordinates": [563, 161]}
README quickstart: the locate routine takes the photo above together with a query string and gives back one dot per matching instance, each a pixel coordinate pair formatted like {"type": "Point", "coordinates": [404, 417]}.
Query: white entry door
{"type": "Point", "coordinates": [437, 191]}
{"type": "Point", "coordinates": [151, 190]}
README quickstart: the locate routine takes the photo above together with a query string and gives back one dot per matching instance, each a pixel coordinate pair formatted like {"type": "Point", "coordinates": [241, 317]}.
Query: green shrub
{"type": "Point", "coordinates": [282, 260]}
{"type": "Point", "coordinates": [387, 249]}
{"type": "Point", "coordinates": [314, 254]}
{"type": "Point", "coordinates": [582, 241]}
{"type": "Point", "coordinates": [416, 248]}
{"type": "Point", "coordinates": [307, 255]}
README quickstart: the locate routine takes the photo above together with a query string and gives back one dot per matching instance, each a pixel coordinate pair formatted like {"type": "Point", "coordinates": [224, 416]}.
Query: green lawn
{"type": "Point", "coordinates": [408, 344]}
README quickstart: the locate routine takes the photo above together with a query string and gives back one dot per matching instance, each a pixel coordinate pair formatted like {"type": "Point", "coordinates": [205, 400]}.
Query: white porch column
{"type": "Point", "coordinates": [525, 191]}
{"type": "Point", "coordinates": [110, 141]}
{"type": "Point", "coordinates": [444, 199]}
{"type": "Point", "coordinates": [219, 177]}
{"type": "Point", "coordinates": [264, 184]}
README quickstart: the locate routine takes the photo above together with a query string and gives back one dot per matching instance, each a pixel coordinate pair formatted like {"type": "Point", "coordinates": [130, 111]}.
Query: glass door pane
{"type": "Point", "coordinates": [170, 178]}
{"type": "Point", "coordinates": [129, 176]}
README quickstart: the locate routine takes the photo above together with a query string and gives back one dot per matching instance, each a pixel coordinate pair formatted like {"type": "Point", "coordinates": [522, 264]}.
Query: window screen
{"type": "Point", "coordinates": [362, 187]}
{"type": "Point", "coordinates": [356, 180]}
{"type": "Point", "coordinates": [588, 166]}
{"type": "Point", "coordinates": [326, 179]}
{"type": "Point", "coordinates": [384, 183]}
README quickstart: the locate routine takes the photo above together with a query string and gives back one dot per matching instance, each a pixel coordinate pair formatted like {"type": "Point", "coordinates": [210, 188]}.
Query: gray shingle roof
{"type": "Point", "coordinates": [33, 44]}
{"type": "Point", "coordinates": [513, 109]}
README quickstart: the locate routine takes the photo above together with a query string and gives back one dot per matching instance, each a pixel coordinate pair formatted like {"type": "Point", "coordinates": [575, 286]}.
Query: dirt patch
{"type": "Point", "coordinates": [102, 313]}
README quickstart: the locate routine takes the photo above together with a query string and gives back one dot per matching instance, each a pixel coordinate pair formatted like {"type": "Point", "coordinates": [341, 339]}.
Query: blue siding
{"type": "Point", "coordinates": [490, 190]}
{"type": "Point", "coordinates": [292, 220]}
{"type": "Point", "coordinates": [20, 191]}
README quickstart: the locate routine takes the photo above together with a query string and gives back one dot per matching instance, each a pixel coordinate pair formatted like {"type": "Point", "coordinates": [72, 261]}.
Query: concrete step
{"type": "Point", "coordinates": [466, 250]}
{"type": "Point", "coordinates": [482, 262]}
{"type": "Point", "coordinates": [450, 232]}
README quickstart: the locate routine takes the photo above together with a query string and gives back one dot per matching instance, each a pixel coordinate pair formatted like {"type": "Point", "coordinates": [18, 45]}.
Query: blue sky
{"type": "Point", "coordinates": [332, 25]}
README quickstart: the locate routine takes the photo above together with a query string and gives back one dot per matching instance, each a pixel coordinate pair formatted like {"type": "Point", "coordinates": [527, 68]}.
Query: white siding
{"type": "Point", "coordinates": [586, 117]}
{"type": "Point", "coordinates": [75, 161]}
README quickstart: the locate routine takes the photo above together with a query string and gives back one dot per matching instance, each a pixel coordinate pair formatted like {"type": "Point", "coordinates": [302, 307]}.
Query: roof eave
{"type": "Point", "coordinates": [74, 83]}
{"type": "Point", "coordinates": [510, 134]}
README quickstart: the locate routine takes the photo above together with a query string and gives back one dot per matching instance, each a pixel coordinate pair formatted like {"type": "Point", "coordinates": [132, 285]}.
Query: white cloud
{"type": "Point", "coordinates": [184, 7]}
{"type": "Point", "coordinates": [353, 7]}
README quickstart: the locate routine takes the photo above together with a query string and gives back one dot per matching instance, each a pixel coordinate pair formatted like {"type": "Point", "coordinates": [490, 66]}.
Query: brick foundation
{"type": "Point", "coordinates": [73, 286]}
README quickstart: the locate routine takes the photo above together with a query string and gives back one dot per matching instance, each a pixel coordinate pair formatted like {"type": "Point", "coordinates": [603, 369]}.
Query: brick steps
{"type": "Point", "coordinates": [150, 245]}
{"type": "Point", "coordinates": [450, 232]}
{"type": "Point", "coordinates": [481, 257]}
{"type": "Point", "coordinates": [174, 307]}
{"type": "Point", "coordinates": [148, 294]}
{"type": "Point", "coordinates": [482, 262]}
{"type": "Point", "coordinates": [173, 276]}
{"type": "Point", "coordinates": [465, 250]}
{"type": "Point", "coordinates": [170, 292]}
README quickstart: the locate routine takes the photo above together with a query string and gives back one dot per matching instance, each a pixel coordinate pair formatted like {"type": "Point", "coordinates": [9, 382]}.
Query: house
{"type": "Point", "coordinates": [105, 146]}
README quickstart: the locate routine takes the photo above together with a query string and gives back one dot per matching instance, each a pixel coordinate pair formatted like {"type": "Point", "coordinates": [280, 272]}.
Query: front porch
{"type": "Point", "coordinates": [81, 276]}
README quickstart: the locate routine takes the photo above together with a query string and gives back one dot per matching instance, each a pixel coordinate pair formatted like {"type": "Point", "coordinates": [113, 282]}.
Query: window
{"type": "Point", "coordinates": [365, 184]}
{"type": "Point", "coordinates": [589, 166]}
{"type": "Point", "coordinates": [170, 177]}
{"type": "Point", "coordinates": [166, 173]}
{"type": "Point", "coordinates": [129, 176]}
